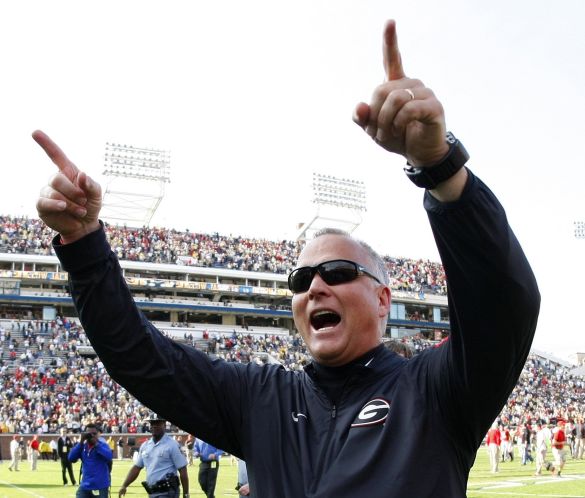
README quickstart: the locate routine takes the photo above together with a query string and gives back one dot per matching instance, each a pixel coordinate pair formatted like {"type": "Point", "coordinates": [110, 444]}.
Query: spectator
{"type": "Point", "coordinates": [559, 441]}
{"type": "Point", "coordinates": [493, 442]}
{"type": "Point", "coordinates": [96, 459]}
{"type": "Point", "coordinates": [33, 452]}
{"type": "Point", "coordinates": [14, 453]}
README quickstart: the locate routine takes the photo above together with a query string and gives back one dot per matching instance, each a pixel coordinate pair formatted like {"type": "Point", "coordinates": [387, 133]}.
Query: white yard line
{"type": "Point", "coordinates": [487, 487]}
{"type": "Point", "coordinates": [20, 489]}
{"type": "Point", "coordinates": [500, 493]}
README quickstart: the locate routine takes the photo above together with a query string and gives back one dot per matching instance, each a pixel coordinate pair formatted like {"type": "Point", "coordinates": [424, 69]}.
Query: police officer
{"type": "Point", "coordinates": [162, 457]}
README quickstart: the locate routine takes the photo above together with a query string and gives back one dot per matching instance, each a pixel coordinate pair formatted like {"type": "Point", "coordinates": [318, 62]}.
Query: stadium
{"type": "Point", "coordinates": [224, 295]}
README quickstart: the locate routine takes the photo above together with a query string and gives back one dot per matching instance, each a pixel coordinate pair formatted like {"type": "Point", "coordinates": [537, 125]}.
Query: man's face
{"type": "Point", "coordinates": [94, 435]}
{"type": "Point", "coordinates": [355, 309]}
{"type": "Point", "coordinates": [157, 427]}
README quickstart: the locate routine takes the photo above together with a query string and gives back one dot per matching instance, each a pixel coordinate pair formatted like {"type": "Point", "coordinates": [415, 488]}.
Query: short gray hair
{"type": "Point", "coordinates": [380, 269]}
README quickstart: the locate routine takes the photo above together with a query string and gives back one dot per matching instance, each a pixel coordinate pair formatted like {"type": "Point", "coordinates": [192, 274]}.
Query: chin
{"type": "Point", "coordinates": [326, 356]}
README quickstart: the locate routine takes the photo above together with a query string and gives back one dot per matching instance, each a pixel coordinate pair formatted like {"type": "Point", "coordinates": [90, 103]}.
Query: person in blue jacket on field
{"type": "Point", "coordinates": [96, 463]}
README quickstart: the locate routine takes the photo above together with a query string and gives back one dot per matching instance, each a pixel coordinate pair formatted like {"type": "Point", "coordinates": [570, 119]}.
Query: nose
{"type": "Point", "coordinates": [318, 286]}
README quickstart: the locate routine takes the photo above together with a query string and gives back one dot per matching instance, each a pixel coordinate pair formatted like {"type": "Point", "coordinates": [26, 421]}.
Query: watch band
{"type": "Point", "coordinates": [430, 176]}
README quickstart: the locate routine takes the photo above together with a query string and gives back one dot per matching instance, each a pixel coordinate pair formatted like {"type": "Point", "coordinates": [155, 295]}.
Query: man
{"type": "Point", "coordinates": [53, 446]}
{"type": "Point", "coordinates": [120, 448]}
{"type": "Point", "coordinates": [162, 457]}
{"type": "Point", "coordinates": [526, 443]}
{"type": "Point", "coordinates": [543, 436]}
{"type": "Point", "coordinates": [580, 440]}
{"type": "Point", "coordinates": [64, 446]}
{"type": "Point", "coordinates": [189, 446]}
{"type": "Point", "coordinates": [559, 441]}
{"type": "Point", "coordinates": [337, 428]}
{"type": "Point", "coordinates": [493, 442]}
{"type": "Point", "coordinates": [209, 457]}
{"type": "Point", "coordinates": [243, 487]}
{"type": "Point", "coordinates": [14, 453]}
{"type": "Point", "coordinates": [96, 463]}
{"type": "Point", "coordinates": [33, 452]}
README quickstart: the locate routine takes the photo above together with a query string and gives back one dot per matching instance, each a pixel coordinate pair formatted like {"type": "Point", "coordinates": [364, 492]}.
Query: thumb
{"type": "Point", "coordinates": [361, 114]}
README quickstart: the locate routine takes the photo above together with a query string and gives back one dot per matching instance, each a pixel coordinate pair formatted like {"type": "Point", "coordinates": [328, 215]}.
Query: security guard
{"type": "Point", "coordinates": [162, 457]}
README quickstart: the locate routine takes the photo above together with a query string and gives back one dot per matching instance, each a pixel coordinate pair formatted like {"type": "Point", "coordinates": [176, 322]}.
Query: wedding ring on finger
{"type": "Point", "coordinates": [410, 92]}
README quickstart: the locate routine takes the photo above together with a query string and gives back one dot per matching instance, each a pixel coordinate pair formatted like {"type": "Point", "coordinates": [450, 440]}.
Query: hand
{"type": "Point", "coordinates": [122, 491]}
{"type": "Point", "coordinates": [244, 490]}
{"type": "Point", "coordinates": [71, 202]}
{"type": "Point", "coordinates": [411, 126]}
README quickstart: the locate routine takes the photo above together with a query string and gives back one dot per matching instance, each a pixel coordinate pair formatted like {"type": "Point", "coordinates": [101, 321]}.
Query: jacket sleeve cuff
{"type": "Point", "coordinates": [431, 204]}
{"type": "Point", "coordinates": [84, 252]}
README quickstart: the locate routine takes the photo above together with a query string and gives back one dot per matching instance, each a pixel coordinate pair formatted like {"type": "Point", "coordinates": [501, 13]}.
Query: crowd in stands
{"type": "Point", "coordinates": [545, 391]}
{"type": "Point", "coordinates": [55, 386]}
{"type": "Point", "coordinates": [164, 245]}
{"type": "Point", "coordinates": [45, 383]}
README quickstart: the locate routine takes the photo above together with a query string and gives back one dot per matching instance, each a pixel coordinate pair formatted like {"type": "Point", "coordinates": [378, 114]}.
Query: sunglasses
{"type": "Point", "coordinates": [335, 272]}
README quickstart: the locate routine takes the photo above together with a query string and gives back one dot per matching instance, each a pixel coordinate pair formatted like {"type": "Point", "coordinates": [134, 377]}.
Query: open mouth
{"type": "Point", "coordinates": [324, 319]}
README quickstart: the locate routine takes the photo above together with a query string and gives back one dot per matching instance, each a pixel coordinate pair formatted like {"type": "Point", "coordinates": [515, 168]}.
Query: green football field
{"type": "Point", "coordinates": [513, 481]}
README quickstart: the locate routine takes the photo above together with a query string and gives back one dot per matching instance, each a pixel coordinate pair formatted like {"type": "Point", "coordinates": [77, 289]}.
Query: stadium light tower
{"type": "Point", "coordinates": [579, 229]}
{"type": "Point", "coordinates": [339, 203]}
{"type": "Point", "coordinates": [136, 179]}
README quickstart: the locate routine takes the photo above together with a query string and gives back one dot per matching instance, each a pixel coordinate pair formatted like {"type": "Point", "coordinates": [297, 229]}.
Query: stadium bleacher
{"type": "Point", "coordinates": [50, 377]}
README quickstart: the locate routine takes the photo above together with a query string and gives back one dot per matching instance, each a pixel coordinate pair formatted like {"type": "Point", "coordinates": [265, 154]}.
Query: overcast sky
{"type": "Point", "coordinates": [253, 97]}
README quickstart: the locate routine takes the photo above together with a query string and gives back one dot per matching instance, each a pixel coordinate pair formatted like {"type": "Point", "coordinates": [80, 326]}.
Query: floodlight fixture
{"type": "Point", "coordinates": [136, 182]}
{"type": "Point", "coordinates": [339, 192]}
{"type": "Point", "coordinates": [134, 162]}
{"type": "Point", "coordinates": [339, 204]}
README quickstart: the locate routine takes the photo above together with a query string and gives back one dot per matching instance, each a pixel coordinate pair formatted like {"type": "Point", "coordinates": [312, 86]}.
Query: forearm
{"type": "Point", "coordinates": [450, 190]}
{"type": "Point", "coordinates": [133, 473]}
{"type": "Point", "coordinates": [493, 299]}
{"type": "Point", "coordinates": [171, 379]}
{"type": "Point", "coordinates": [183, 475]}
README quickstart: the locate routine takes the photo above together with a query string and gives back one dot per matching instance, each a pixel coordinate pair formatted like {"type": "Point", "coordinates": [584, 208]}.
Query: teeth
{"type": "Point", "coordinates": [323, 312]}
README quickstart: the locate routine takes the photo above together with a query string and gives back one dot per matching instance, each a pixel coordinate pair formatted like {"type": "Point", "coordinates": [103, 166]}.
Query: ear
{"type": "Point", "coordinates": [384, 301]}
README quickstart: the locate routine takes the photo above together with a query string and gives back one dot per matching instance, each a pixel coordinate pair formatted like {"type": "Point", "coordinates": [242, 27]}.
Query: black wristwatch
{"type": "Point", "coordinates": [430, 176]}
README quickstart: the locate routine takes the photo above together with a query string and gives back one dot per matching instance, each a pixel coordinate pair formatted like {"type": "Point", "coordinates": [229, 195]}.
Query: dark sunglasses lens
{"type": "Point", "coordinates": [300, 279]}
{"type": "Point", "coordinates": [338, 272]}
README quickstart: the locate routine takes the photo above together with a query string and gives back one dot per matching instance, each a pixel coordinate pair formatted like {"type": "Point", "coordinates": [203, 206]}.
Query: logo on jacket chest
{"type": "Point", "coordinates": [374, 412]}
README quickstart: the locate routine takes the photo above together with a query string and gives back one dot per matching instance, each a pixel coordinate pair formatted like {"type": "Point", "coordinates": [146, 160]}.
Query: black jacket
{"type": "Point", "coordinates": [64, 445]}
{"type": "Point", "coordinates": [401, 428]}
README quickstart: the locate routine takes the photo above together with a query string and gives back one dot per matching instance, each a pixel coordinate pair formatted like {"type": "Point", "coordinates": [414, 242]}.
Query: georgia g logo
{"type": "Point", "coordinates": [374, 412]}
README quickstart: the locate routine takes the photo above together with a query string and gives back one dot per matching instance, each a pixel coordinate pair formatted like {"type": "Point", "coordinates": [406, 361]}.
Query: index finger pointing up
{"type": "Point", "coordinates": [56, 154]}
{"type": "Point", "coordinates": [392, 59]}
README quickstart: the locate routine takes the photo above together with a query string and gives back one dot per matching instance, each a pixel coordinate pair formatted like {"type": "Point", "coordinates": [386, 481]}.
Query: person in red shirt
{"type": "Point", "coordinates": [559, 441]}
{"type": "Point", "coordinates": [493, 442]}
{"type": "Point", "coordinates": [33, 448]}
